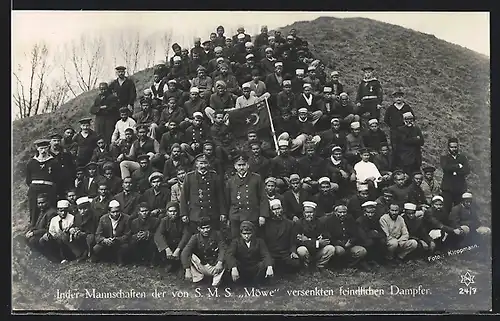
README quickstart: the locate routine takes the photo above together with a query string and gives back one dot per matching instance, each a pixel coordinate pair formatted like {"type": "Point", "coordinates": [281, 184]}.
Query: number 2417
{"type": "Point", "coordinates": [467, 291]}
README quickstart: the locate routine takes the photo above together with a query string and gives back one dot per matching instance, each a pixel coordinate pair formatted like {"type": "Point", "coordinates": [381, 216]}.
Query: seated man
{"type": "Point", "coordinates": [41, 226]}
{"type": "Point", "coordinates": [248, 257]}
{"type": "Point", "coordinates": [304, 132]}
{"type": "Point", "coordinates": [112, 235]}
{"type": "Point", "coordinates": [129, 198]}
{"type": "Point", "coordinates": [82, 233]}
{"type": "Point", "coordinates": [355, 203]}
{"type": "Point", "coordinates": [143, 227]}
{"type": "Point", "coordinates": [343, 232]}
{"type": "Point", "coordinates": [171, 236]}
{"type": "Point", "coordinates": [326, 197]}
{"type": "Point", "coordinates": [398, 238]}
{"type": "Point", "coordinates": [157, 196]}
{"type": "Point", "coordinates": [370, 234]}
{"type": "Point", "coordinates": [465, 221]}
{"type": "Point", "coordinates": [99, 204]}
{"type": "Point", "coordinates": [313, 239]}
{"type": "Point", "coordinates": [204, 254]}
{"type": "Point", "coordinates": [437, 220]}
{"type": "Point", "coordinates": [56, 240]}
{"type": "Point", "coordinates": [281, 240]}
{"type": "Point", "coordinates": [417, 230]}
{"type": "Point", "coordinates": [176, 189]}
{"type": "Point", "coordinates": [294, 197]}
{"type": "Point", "coordinates": [114, 182]}
{"type": "Point", "coordinates": [367, 172]}
{"type": "Point", "coordinates": [148, 117]}
{"type": "Point", "coordinates": [102, 153]}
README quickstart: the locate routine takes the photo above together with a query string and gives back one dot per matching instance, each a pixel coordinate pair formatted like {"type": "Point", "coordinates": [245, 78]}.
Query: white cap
{"type": "Point", "coordinates": [172, 81]}
{"type": "Point", "coordinates": [274, 202]}
{"type": "Point", "coordinates": [437, 197]}
{"type": "Point", "coordinates": [114, 203]}
{"type": "Point", "coordinates": [327, 89]}
{"type": "Point", "coordinates": [362, 187]}
{"type": "Point", "coordinates": [278, 63]}
{"type": "Point", "coordinates": [194, 90]}
{"type": "Point", "coordinates": [373, 121]}
{"type": "Point", "coordinates": [248, 44]}
{"type": "Point", "coordinates": [177, 58]}
{"type": "Point", "coordinates": [299, 71]}
{"type": "Point", "coordinates": [219, 59]}
{"type": "Point", "coordinates": [467, 195]}
{"type": "Point", "coordinates": [218, 49]}
{"type": "Point", "coordinates": [410, 206]}
{"type": "Point", "coordinates": [147, 91]}
{"type": "Point", "coordinates": [289, 37]}
{"type": "Point", "coordinates": [323, 180]}
{"type": "Point", "coordinates": [369, 203]}
{"type": "Point", "coordinates": [309, 204]}
{"type": "Point", "coordinates": [245, 85]}
{"type": "Point", "coordinates": [340, 148]}
{"type": "Point", "coordinates": [334, 73]}
{"type": "Point", "coordinates": [249, 56]}
{"type": "Point", "coordinates": [282, 142]}
{"type": "Point", "coordinates": [241, 36]}
{"type": "Point", "coordinates": [271, 37]}
{"type": "Point", "coordinates": [197, 114]}
{"type": "Point", "coordinates": [302, 110]}
{"type": "Point", "coordinates": [306, 85]}
{"type": "Point", "coordinates": [287, 82]}
{"type": "Point", "coordinates": [435, 234]}
{"type": "Point", "coordinates": [269, 49]}
{"type": "Point", "coordinates": [82, 200]}
{"type": "Point", "coordinates": [408, 115]}
{"type": "Point", "coordinates": [342, 95]}
{"type": "Point", "coordinates": [355, 125]}
{"type": "Point", "coordinates": [63, 204]}
{"type": "Point", "coordinates": [311, 68]}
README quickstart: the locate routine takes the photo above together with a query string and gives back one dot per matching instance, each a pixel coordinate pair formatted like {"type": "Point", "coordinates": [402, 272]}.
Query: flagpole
{"type": "Point", "coordinates": [272, 126]}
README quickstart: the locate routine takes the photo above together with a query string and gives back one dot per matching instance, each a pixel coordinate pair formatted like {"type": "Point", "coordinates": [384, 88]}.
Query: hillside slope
{"type": "Point", "coordinates": [447, 85]}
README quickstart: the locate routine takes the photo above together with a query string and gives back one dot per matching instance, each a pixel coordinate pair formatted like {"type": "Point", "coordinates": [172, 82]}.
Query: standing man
{"type": "Point", "coordinates": [370, 94]}
{"type": "Point", "coordinates": [408, 142]}
{"type": "Point", "coordinates": [429, 185]}
{"type": "Point", "coordinates": [202, 195]}
{"type": "Point", "coordinates": [106, 111]}
{"type": "Point", "coordinates": [246, 197]}
{"type": "Point", "coordinates": [42, 174]}
{"type": "Point", "coordinates": [65, 160]}
{"type": "Point", "coordinates": [262, 39]}
{"type": "Point", "coordinates": [456, 168]}
{"type": "Point", "coordinates": [124, 88]}
{"type": "Point", "coordinates": [86, 140]}
{"type": "Point", "coordinates": [393, 116]}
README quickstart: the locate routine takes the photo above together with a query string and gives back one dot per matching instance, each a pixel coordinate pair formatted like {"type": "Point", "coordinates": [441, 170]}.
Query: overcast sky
{"type": "Point", "coordinates": [56, 28]}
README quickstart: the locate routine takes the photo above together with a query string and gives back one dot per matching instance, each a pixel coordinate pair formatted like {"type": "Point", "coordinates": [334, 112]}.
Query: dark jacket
{"type": "Point", "coordinates": [126, 93]}
{"type": "Point", "coordinates": [147, 225]}
{"type": "Point", "coordinates": [370, 232]}
{"type": "Point", "coordinates": [246, 199]}
{"type": "Point", "coordinates": [291, 207]}
{"type": "Point", "coordinates": [172, 234]}
{"type": "Point", "coordinates": [454, 177]}
{"type": "Point", "coordinates": [209, 250]}
{"type": "Point", "coordinates": [459, 216]}
{"type": "Point", "coordinates": [105, 229]}
{"type": "Point", "coordinates": [241, 256]}
{"type": "Point", "coordinates": [340, 231]}
{"type": "Point", "coordinates": [128, 202]}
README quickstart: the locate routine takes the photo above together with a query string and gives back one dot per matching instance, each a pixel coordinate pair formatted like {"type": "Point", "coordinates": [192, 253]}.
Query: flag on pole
{"type": "Point", "coordinates": [255, 117]}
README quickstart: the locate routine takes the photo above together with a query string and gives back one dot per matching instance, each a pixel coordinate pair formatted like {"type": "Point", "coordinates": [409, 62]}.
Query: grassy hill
{"type": "Point", "coordinates": [447, 86]}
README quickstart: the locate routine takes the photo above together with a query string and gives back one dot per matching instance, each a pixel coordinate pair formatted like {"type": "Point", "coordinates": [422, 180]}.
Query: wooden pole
{"type": "Point", "coordinates": [272, 127]}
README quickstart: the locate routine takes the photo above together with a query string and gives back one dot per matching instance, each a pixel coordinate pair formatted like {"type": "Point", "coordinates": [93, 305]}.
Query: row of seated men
{"type": "Point", "coordinates": [251, 243]}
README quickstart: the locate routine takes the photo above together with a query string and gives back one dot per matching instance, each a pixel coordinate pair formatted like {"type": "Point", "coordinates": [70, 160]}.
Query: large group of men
{"type": "Point", "coordinates": [171, 185]}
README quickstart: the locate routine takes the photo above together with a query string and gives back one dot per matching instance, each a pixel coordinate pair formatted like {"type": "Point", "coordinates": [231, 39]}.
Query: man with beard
{"type": "Point", "coordinates": [383, 161]}
{"type": "Point", "coordinates": [274, 81]}
{"type": "Point", "coordinates": [121, 148]}
{"type": "Point", "coordinates": [194, 104]}
{"type": "Point", "coordinates": [56, 240]}
{"type": "Point", "coordinates": [157, 196]}
{"type": "Point", "coordinates": [124, 88]}
{"type": "Point", "coordinates": [301, 131]}
{"type": "Point", "coordinates": [171, 236]}
{"type": "Point", "coordinates": [171, 112]}
{"type": "Point", "coordinates": [241, 31]}
{"type": "Point", "coordinates": [335, 84]}
{"type": "Point", "coordinates": [203, 82]}
{"type": "Point", "coordinates": [42, 176]}
{"type": "Point", "coordinates": [257, 162]}
{"type": "Point", "coordinates": [204, 254]}
{"type": "Point", "coordinates": [268, 150]}
{"type": "Point", "coordinates": [176, 189]}
{"type": "Point", "coordinates": [125, 122]}
{"type": "Point", "coordinates": [143, 227]}
{"type": "Point", "coordinates": [438, 223]}
{"type": "Point", "coordinates": [465, 221]}
{"type": "Point", "coordinates": [285, 102]}
{"type": "Point", "coordinates": [311, 167]}
{"type": "Point", "coordinates": [370, 234]}
{"type": "Point", "coordinates": [173, 136]}
{"type": "Point", "coordinates": [370, 94]}
{"type": "Point", "coordinates": [65, 160]}
{"type": "Point", "coordinates": [140, 176]}
{"type": "Point", "coordinates": [313, 239]}
{"type": "Point", "coordinates": [221, 134]}
{"type": "Point", "coordinates": [281, 240]}
{"type": "Point", "coordinates": [128, 197]}
{"type": "Point", "coordinates": [417, 230]}
{"type": "Point", "coordinates": [227, 81]}
{"type": "Point", "coordinates": [347, 111]}
{"type": "Point", "coordinates": [313, 80]}
{"type": "Point", "coordinates": [92, 180]}
{"type": "Point", "coordinates": [341, 171]}
{"type": "Point", "coordinates": [249, 97]}
{"type": "Point", "coordinates": [105, 109]}
{"type": "Point", "coordinates": [194, 63]}
{"type": "Point", "coordinates": [384, 201]}
{"type": "Point", "coordinates": [374, 137]}
{"type": "Point", "coordinates": [216, 163]}
{"type": "Point", "coordinates": [416, 194]}
{"type": "Point", "coordinates": [195, 135]}
{"type": "Point", "coordinates": [283, 165]}
{"type": "Point", "coordinates": [294, 197]}
{"type": "Point", "coordinates": [67, 139]}
{"type": "Point", "coordinates": [202, 195]}
{"type": "Point", "coordinates": [179, 73]}
{"type": "Point", "coordinates": [148, 117]}
{"type": "Point", "coordinates": [158, 87]}
{"type": "Point", "coordinates": [298, 81]}
{"type": "Point", "coordinates": [354, 143]}
{"type": "Point", "coordinates": [221, 99]}
{"type": "Point", "coordinates": [112, 235]}
{"type": "Point", "coordinates": [355, 206]}
{"type": "Point", "coordinates": [325, 198]}
{"type": "Point", "coordinates": [114, 182]}
{"type": "Point", "coordinates": [429, 185]}
{"type": "Point", "coordinates": [198, 49]}
{"type": "Point", "coordinates": [334, 136]}
{"type": "Point", "coordinates": [267, 63]}
{"type": "Point", "coordinates": [45, 212]}
{"type": "Point", "coordinates": [102, 154]}
{"type": "Point", "coordinates": [309, 101]}
{"type": "Point", "coordinates": [246, 196]}
{"type": "Point", "coordinates": [248, 257]}
{"type": "Point", "coordinates": [343, 232]}
{"type": "Point", "coordinates": [82, 233]}
{"type": "Point", "coordinates": [175, 161]}
{"type": "Point", "coordinates": [400, 187]}
{"type": "Point", "coordinates": [176, 90]}
{"type": "Point", "coordinates": [100, 202]}
{"type": "Point", "coordinates": [408, 142]}
{"type": "Point", "coordinates": [456, 168]}
{"type": "Point", "coordinates": [393, 116]}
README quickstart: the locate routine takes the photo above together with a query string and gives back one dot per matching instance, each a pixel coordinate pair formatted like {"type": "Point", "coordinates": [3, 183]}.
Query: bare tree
{"type": "Point", "coordinates": [83, 64]}
{"type": "Point", "coordinates": [166, 41]}
{"type": "Point", "coordinates": [57, 93]}
{"type": "Point", "coordinates": [149, 51]}
{"type": "Point", "coordinates": [28, 95]}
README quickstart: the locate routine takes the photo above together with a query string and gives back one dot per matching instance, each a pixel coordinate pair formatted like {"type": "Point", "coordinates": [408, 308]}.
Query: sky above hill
{"type": "Point", "coordinates": [57, 28]}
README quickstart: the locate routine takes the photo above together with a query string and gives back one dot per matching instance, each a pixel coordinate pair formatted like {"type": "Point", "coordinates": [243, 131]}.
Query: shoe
{"type": "Point", "coordinates": [64, 261]}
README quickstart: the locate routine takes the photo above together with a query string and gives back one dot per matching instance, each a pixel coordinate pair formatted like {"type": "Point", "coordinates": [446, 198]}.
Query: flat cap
{"type": "Point", "coordinates": [369, 203]}
{"type": "Point", "coordinates": [249, 56]}
{"type": "Point", "coordinates": [155, 175]}
{"type": "Point", "coordinates": [91, 164]}
{"type": "Point", "coordinates": [194, 90]}
{"type": "Point", "coordinates": [410, 206]}
{"type": "Point", "coordinates": [367, 68]}
{"type": "Point", "coordinates": [142, 156]}
{"type": "Point", "coordinates": [41, 142]}
{"type": "Point", "coordinates": [428, 169]}
{"type": "Point", "coordinates": [55, 136]}
{"type": "Point", "coordinates": [270, 179]}
{"type": "Point", "coordinates": [83, 200]}
{"type": "Point", "coordinates": [247, 226]}
{"type": "Point", "coordinates": [200, 157]}
{"type": "Point", "coordinates": [63, 204]}
{"type": "Point", "coordinates": [324, 179]}
{"type": "Point", "coordinates": [120, 68]}
{"type": "Point", "coordinates": [327, 89]}
{"type": "Point", "coordinates": [466, 195]}
{"type": "Point", "coordinates": [355, 124]}
{"type": "Point", "coordinates": [85, 120]}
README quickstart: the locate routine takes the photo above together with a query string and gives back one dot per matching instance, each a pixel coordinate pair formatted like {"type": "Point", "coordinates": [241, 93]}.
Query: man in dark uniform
{"type": "Point", "coordinates": [106, 111]}
{"type": "Point", "coordinates": [456, 168]}
{"type": "Point", "coordinates": [124, 88]}
{"type": "Point", "coordinates": [65, 160]}
{"type": "Point", "coordinates": [220, 40]}
{"type": "Point", "coordinates": [393, 116]}
{"type": "Point", "coordinates": [45, 212]}
{"type": "Point", "coordinates": [246, 197]}
{"type": "Point", "coordinates": [262, 38]}
{"type": "Point", "coordinates": [408, 142]}
{"type": "Point", "coordinates": [86, 140]}
{"type": "Point", "coordinates": [370, 94]}
{"type": "Point", "coordinates": [42, 176]}
{"type": "Point", "coordinates": [202, 195]}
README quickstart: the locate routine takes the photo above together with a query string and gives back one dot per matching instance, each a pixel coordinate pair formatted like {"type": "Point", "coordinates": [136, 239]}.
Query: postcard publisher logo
{"type": "Point", "coordinates": [467, 278]}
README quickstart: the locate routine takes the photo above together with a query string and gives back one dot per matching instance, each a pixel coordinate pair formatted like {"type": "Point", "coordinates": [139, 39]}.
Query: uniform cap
{"type": "Point", "coordinates": [147, 91]}
{"type": "Point", "coordinates": [85, 120]}
{"type": "Point", "coordinates": [437, 198]}
{"type": "Point", "coordinates": [327, 89]}
{"type": "Point", "coordinates": [410, 206]}
{"type": "Point", "coordinates": [114, 203]}
{"type": "Point", "coordinates": [82, 200]}
{"type": "Point", "coordinates": [429, 169]}
{"type": "Point", "coordinates": [63, 204]}
{"type": "Point", "coordinates": [334, 118]}
{"type": "Point", "coordinates": [274, 203]}
{"type": "Point", "coordinates": [373, 121]}
{"type": "Point", "coordinates": [42, 142]}
{"type": "Point", "coordinates": [299, 71]}
{"type": "Point", "coordinates": [289, 37]}
{"type": "Point", "coordinates": [154, 175]}
{"type": "Point", "coordinates": [309, 204]}
{"type": "Point", "coordinates": [466, 195]}
{"type": "Point", "coordinates": [172, 81]}
{"type": "Point", "coordinates": [355, 125]}
{"type": "Point", "coordinates": [194, 90]}
{"type": "Point", "coordinates": [323, 179]}
{"type": "Point", "coordinates": [120, 68]}
{"type": "Point", "coordinates": [271, 37]}
{"type": "Point", "coordinates": [206, 42]}
{"type": "Point", "coordinates": [302, 110]}
{"type": "Point", "coordinates": [369, 203]}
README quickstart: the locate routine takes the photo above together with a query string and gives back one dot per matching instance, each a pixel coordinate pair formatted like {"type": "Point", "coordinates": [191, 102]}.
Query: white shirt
{"type": "Point", "coordinates": [120, 127]}
{"type": "Point", "coordinates": [399, 106]}
{"type": "Point", "coordinates": [159, 90]}
{"type": "Point", "coordinates": [114, 224]}
{"type": "Point", "coordinates": [90, 181]}
{"type": "Point", "coordinates": [365, 170]}
{"type": "Point", "coordinates": [242, 101]}
{"type": "Point", "coordinates": [248, 244]}
{"type": "Point", "coordinates": [54, 227]}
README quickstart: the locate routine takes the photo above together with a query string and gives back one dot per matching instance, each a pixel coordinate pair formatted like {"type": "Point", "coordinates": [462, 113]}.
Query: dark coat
{"type": "Point", "coordinates": [105, 229]}
{"type": "Point", "coordinates": [340, 231]}
{"type": "Point", "coordinates": [454, 177]}
{"type": "Point", "coordinates": [91, 190]}
{"type": "Point", "coordinates": [408, 142]}
{"type": "Point", "coordinates": [417, 229]}
{"type": "Point", "coordinates": [291, 207]}
{"type": "Point", "coordinates": [370, 232]}
{"type": "Point", "coordinates": [172, 234]}
{"type": "Point", "coordinates": [280, 237]}
{"type": "Point", "coordinates": [209, 250]}
{"type": "Point", "coordinates": [311, 229]}
{"type": "Point", "coordinates": [246, 198]}
{"type": "Point", "coordinates": [105, 118]}
{"type": "Point", "coordinates": [126, 93]}
{"type": "Point", "coordinates": [240, 255]}
{"type": "Point", "coordinates": [147, 225]}
{"type": "Point", "coordinates": [128, 202]}
{"type": "Point", "coordinates": [459, 216]}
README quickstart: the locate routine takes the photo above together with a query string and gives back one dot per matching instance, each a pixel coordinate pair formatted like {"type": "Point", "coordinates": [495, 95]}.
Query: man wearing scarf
{"type": "Point", "coordinates": [340, 170]}
{"type": "Point", "coordinates": [248, 258]}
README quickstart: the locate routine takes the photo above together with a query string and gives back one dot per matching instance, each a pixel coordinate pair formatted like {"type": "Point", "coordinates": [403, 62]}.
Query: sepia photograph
{"type": "Point", "coordinates": [184, 161]}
